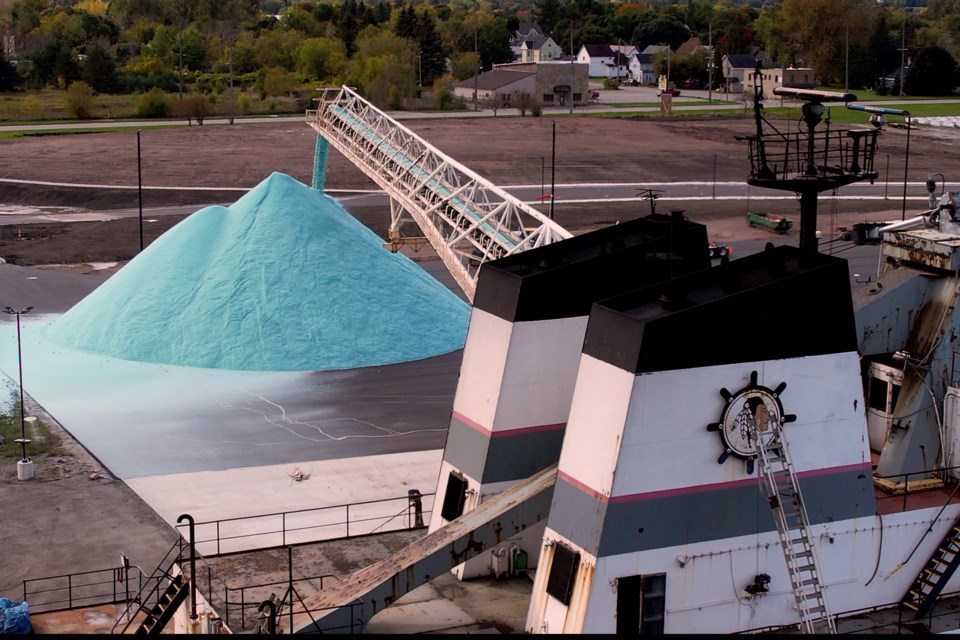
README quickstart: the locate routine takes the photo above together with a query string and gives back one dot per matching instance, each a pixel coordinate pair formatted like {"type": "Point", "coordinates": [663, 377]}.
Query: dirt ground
{"type": "Point", "coordinates": [505, 150]}
{"type": "Point", "coordinates": [75, 498]}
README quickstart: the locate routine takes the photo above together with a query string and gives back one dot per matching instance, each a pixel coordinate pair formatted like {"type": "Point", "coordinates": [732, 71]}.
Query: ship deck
{"type": "Point", "coordinates": [918, 491]}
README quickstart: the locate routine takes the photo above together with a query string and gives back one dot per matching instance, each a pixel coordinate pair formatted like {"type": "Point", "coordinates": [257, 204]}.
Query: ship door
{"type": "Point", "coordinates": [883, 389]}
{"type": "Point", "coordinates": [641, 604]}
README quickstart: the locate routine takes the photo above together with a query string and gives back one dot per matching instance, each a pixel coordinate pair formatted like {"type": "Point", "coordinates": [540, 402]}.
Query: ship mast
{"type": "Point", "coordinates": [806, 161]}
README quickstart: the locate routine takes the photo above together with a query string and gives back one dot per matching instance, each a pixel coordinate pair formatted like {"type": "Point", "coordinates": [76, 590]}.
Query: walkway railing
{"type": "Point", "coordinates": [929, 487]}
{"type": "Point", "coordinates": [280, 529]}
{"type": "Point", "coordinates": [84, 589]}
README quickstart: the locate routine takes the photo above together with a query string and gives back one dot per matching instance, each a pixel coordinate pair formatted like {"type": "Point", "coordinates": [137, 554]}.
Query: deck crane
{"type": "Point", "coordinates": [467, 219]}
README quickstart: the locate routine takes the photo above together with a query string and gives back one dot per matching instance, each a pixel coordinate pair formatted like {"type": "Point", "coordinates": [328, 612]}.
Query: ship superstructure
{"type": "Point", "coordinates": [726, 438]}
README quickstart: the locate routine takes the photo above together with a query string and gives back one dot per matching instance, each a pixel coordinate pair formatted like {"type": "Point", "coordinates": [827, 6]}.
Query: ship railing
{"type": "Point", "coordinates": [122, 584]}
{"type": "Point", "coordinates": [284, 528]}
{"type": "Point", "coordinates": [242, 604]}
{"type": "Point", "coordinates": [84, 589]}
{"type": "Point", "coordinates": [947, 619]}
{"type": "Point", "coordinates": [919, 489]}
{"type": "Point", "coordinates": [838, 152]}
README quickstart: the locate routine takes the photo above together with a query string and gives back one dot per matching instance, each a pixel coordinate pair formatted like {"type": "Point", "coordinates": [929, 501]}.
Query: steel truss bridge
{"type": "Point", "coordinates": [466, 219]}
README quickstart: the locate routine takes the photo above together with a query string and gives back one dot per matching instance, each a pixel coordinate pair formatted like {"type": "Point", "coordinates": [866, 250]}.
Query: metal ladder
{"type": "Point", "coordinates": [786, 503]}
{"type": "Point", "coordinates": [467, 219]}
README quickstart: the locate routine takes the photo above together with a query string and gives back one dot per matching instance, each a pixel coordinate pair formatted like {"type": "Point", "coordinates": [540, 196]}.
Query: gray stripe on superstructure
{"type": "Point", "coordinates": [520, 455]}
{"type": "Point", "coordinates": [640, 525]}
{"type": "Point", "coordinates": [503, 458]}
{"type": "Point", "coordinates": [466, 448]}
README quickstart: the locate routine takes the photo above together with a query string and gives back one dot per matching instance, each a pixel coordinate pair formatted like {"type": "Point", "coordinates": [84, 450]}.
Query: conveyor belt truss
{"type": "Point", "coordinates": [467, 219]}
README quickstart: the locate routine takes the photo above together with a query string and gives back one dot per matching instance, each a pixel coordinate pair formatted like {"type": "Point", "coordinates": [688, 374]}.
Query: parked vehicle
{"type": "Point", "coordinates": [718, 250]}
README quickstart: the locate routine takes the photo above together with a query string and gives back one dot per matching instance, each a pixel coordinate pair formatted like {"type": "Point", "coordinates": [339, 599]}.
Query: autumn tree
{"type": "Point", "coordinates": [820, 31]}
{"type": "Point", "coordinates": [321, 58]}
{"type": "Point", "coordinates": [195, 107]}
{"type": "Point", "coordinates": [524, 101]}
{"type": "Point", "coordinates": [384, 61]}
{"type": "Point", "coordinates": [933, 73]}
{"type": "Point", "coordinates": [80, 100]}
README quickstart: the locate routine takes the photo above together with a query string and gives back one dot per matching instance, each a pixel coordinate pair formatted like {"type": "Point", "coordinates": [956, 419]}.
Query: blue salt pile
{"type": "Point", "coordinates": [284, 279]}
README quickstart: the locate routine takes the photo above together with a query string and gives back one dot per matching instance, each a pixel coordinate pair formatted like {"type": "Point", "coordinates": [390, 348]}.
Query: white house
{"type": "Point", "coordinates": [642, 66]}
{"type": "Point", "coordinates": [525, 31]}
{"type": "Point", "coordinates": [735, 69]}
{"type": "Point", "coordinates": [604, 61]}
{"type": "Point", "coordinates": [539, 49]}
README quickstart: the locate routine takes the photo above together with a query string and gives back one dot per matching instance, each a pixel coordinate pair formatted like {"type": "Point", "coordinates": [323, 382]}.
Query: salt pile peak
{"type": "Point", "coordinates": [284, 279]}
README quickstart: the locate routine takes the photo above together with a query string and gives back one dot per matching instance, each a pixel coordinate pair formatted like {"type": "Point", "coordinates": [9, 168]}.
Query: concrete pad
{"type": "Point", "coordinates": [224, 504]}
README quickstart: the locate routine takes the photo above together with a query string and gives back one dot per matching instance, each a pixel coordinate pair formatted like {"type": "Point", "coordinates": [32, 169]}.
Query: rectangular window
{"type": "Point", "coordinates": [548, 98]}
{"type": "Point", "coordinates": [454, 498]}
{"type": "Point", "coordinates": [878, 395]}
{"type": "Point", "coordinates": [641, 604]}
{"type": "Point", "coordinates": [576, 97]}
{"type": "Point", "coordinates": [563, 573]}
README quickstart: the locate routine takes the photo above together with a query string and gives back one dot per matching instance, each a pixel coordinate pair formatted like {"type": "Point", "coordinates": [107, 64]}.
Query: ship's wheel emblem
{"type": "Point", "coordinates": [752, 415]}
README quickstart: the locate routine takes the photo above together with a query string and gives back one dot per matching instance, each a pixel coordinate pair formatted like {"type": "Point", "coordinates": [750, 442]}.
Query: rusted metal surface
{"type": "Point", "coordinates": [928, 247]}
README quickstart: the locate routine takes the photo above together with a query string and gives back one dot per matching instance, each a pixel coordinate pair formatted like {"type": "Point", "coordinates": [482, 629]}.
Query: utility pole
{"type": "Point", "coordinates": [233, 98]}
{"type": "Point", "coordinates": [903, 53]}
{"type": "Point", "coordinates": [553, 170]}
{"type": "Point", "coordinates": [180, 66]}
{"type": "Point", "coordinates": [846, 62]}
{"type": "Point", "coordinates": [669, 51]}
{"type": "Point", "coordinates": [573, 59]}
{"type": "Point", "coordinates": [476, 76]}
{"type": "Point", "coordinates": [710, 58]}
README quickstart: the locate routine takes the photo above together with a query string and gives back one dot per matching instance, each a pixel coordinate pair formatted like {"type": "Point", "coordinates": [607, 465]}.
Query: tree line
{"type": "Point", "coordinates": [392, 49]}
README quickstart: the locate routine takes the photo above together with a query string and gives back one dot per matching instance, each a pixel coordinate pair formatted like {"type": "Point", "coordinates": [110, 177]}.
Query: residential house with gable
{"type": "Point", "coordinates": [690, 47]}
{"type": "Point", "coordinates": [629, 50]}
{"type": "Point", "coordinates": [525, 31]}
{"type": "Point", "coordinates": [793, 77]}
{"type": "Point", "coordinates": [736, 66]}
{"type": "Point", "coordinates": [603, 61]}
{"type": "Point", "coordinates": [642, 66]}
{"type": "Point", "coordinates": [540, 49]}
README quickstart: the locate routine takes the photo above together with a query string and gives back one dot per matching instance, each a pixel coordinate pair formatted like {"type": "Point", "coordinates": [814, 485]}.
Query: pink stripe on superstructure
{"type": "Point", "coordinates": [582, 487]}
{"type": "Point", "coordinates": [507, 432]}
{"type": "Point", "coordinates": [703, 488]}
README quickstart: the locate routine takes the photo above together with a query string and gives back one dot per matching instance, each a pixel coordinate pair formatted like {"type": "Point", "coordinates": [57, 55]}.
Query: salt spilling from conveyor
{"type": "Point", "coordinates": [284, 279]}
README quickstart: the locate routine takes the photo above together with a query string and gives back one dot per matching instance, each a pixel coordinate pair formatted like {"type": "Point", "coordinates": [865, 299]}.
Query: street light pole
{"type": "Point", "coordinates": [903, 53]}
{"type": "Point", "coordinates": [23, 428]}
{"type": "Point", "coordinates": [140, 189]}
{"type": "Point", "coordinates": [476, 76]}
{"type": "Point", "coordinates": [906, 159]}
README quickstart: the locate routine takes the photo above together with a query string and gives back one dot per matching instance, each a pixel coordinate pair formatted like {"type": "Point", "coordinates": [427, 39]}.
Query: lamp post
{"type": "Point", "coordinates": [140, 189]}
{"type": "Point", "coordinates": [25, 466]}
{"type": "Point", "coordinates": [906, 159]}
